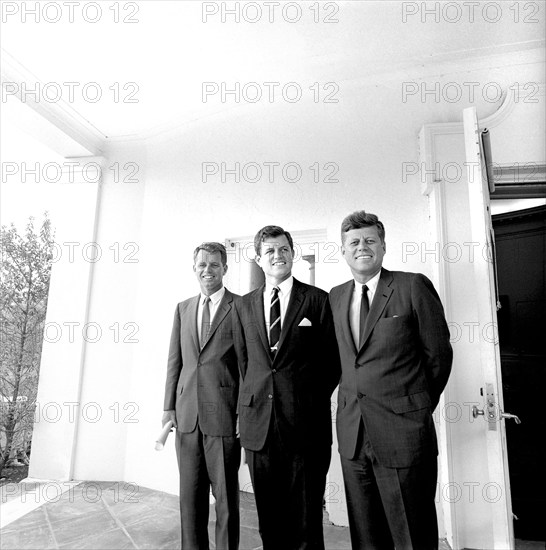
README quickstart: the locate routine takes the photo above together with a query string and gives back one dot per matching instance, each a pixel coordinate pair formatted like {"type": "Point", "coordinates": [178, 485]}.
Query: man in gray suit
{"type": "Point", "coordinates": [201, 400]}
{"type": "Point", "coordinates": [396, 359]}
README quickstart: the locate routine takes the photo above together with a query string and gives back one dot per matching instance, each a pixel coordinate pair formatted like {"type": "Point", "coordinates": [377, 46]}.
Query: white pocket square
{"type": "Point", "coordinates": [305, 323]}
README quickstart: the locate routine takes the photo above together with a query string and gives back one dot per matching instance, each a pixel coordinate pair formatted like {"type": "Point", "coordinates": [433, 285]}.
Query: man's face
{"type": "Point", "coordinates": [363, 250]}
{"type": "Point", "coordinates": [209, 271]}
{"type": "Point", "coordinates": [276, 258]}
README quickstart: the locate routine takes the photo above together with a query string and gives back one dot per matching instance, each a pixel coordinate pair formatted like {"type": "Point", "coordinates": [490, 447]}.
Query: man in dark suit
{"type": "Point", "coordinates": [201, 399]}
{"type": "Point", "coordinates": [290, 369]}
{"type": "Point", "coordinates": [396, 359]}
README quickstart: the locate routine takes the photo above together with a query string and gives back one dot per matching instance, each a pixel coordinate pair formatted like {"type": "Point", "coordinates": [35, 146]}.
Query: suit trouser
{"type": "Point", "coordinates": [289, 489]}
{"type": "Point", "coordinates": [390, 507]}
{"type": "Point", "coordinates": [205, 461]}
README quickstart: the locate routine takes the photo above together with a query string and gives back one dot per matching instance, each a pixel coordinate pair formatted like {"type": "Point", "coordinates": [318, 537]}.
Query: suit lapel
{"type": "Point", "coordinates": [192, 312]}
{"type": "Point", "coordinates": [259, 315]}
{"type": "Point", "coordinates": [297, 296]}
{"type": "Point", "coordinates": [344, 307]}
{"type": "Point", "coordinates": [382, 295]}
{"type": "Point", "coordinates": [223, 309]}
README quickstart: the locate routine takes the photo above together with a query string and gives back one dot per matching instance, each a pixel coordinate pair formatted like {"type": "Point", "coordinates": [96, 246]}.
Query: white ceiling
{"type": "Point", "coordinates": [170, 52]}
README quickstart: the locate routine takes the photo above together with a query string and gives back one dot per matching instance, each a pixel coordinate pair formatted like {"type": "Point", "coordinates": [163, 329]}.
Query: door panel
{"type": "Point", "coordinates": [489, 353]}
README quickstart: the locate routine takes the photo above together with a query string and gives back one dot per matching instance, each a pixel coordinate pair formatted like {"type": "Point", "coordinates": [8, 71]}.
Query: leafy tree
{"type": "Point", "coordinates": [24, 286]}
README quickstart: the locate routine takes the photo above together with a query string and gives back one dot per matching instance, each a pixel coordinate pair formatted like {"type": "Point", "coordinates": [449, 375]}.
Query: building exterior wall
{"type": "Point", "coordinates": [370, 136]}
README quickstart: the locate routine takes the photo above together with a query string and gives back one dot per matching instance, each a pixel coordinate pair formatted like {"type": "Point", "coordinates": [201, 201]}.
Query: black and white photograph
{"type": "Point", "coordinates": [272, 275]}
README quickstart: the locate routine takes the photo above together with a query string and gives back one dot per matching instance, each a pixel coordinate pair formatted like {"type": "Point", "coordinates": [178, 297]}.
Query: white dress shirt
{"type": "Point", "coordinates": [285, 288]}
{"type": "Point", "coordinates": [354, 313]}
{"type": "Point", "coordinates": [215, 300]}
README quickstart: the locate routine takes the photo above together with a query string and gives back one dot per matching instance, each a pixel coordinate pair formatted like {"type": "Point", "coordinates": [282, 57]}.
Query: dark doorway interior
{"type": "Point", "coordinates": [521, 242]}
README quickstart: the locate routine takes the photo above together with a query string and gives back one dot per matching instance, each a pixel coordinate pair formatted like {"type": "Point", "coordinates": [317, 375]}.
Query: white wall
{"type": "Point", "coordinates": [370, 134]}
{"type": "Point", "coordinates": [181, 211]}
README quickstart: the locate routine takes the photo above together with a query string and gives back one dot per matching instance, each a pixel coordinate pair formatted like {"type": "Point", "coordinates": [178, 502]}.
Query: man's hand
{"type": "Point", "coordinates": [169, 415]}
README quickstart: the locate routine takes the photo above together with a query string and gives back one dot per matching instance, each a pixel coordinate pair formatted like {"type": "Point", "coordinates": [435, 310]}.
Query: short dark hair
{"type": "Point", "coordinates": [359, 219]}
{"type": "Point", "coordinates": [270, 231]}
{"type": "Point", "coordinates": [212, 248]}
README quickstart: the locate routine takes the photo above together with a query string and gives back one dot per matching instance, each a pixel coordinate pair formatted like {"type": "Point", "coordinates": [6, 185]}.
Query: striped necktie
{"type": "Point", "coordinates": [275, 321]}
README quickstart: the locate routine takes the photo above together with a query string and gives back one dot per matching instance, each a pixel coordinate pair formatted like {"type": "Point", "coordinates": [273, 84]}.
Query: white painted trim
{"type": "Point", "coordinates": [78, 416]}
{"type": "Point", "coordinates": [530, 172]}
{"type": "Point", "coordinates": [433, 187]}
{"type": "Point", "coordinates": [429, 171]}
{"type": "Point", "coordinates": [512, 96]}
{"type": "Point", "coordinates": [60, 114]}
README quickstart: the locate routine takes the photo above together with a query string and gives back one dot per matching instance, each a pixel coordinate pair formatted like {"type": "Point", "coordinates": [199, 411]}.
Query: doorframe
{"type": "Point", "coordinates": [433, 186]}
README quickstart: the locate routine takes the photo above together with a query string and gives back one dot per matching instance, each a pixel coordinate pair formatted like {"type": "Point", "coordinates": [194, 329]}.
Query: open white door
{"type": "Point", "coordinates": [489, 356]}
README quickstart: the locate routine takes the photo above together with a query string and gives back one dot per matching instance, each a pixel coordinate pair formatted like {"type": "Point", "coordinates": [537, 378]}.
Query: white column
{"type": "Point", "coordinates": [63, 353]}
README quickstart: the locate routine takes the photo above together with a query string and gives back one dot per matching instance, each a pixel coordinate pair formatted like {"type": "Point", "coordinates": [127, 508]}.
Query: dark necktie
{"type": "Point", "coordinates": [205, 321]}
{"type": "Point", "coordinates": [364, 310]}
{"type": "Point", "coordinates": [275, 321]}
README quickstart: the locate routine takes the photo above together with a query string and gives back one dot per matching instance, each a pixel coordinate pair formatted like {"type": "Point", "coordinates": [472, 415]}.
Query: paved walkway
{"type": "Point", "coordinates": [100, 515]}
{"type": "Point", "coordinates": [117, 516]}
{"type": "Point", "coordinates": [111, 516]}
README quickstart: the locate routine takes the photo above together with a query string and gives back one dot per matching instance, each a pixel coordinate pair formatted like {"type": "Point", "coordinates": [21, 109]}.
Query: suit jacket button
{"type": "Point", "coordinates": [270, 396]}
{"type": "Point", "coordinates": [360, 395]}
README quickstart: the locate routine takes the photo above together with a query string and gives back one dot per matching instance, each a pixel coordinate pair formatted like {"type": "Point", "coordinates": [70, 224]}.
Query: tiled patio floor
{"type": "Point", "coordinates": [117, 516]}
{"type": "Point", "coordinates": [111, 515]}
